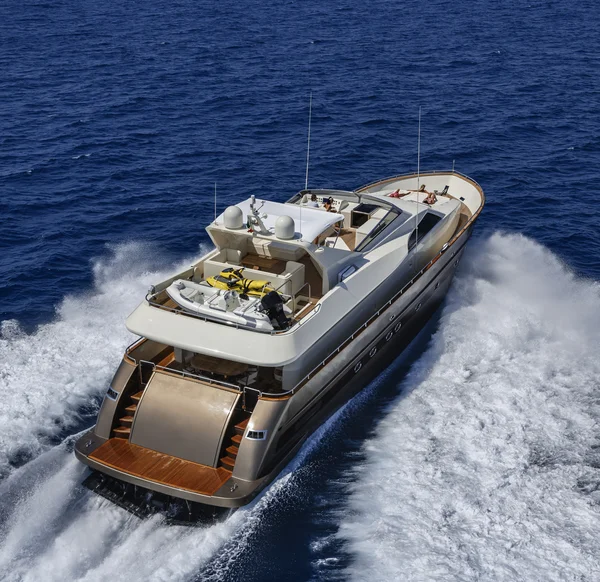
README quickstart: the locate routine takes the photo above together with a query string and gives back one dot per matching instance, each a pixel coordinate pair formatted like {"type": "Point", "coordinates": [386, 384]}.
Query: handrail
{"type": "Point", "coordinates": [371, 319]}
{"type": "Point", "coordinates": [414, 174]}
{"type": "Point", "coordinates": [363, 326]}
{"type": "Point", "coordinates": [149, 296]}
{"type": "Point", "coordinates": [295, 295]}
{"type": "Point", "coordinates": [187, 374]}
{"type": "Point", "coordinates": [133, 344]}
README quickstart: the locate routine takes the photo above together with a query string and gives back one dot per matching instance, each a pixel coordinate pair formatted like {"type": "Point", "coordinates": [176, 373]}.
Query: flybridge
{"type": "Point", "coordinates": [262, 216]}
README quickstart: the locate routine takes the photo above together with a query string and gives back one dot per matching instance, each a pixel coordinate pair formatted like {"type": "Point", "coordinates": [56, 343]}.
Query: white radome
{"type": "Point", "coordinates": [233, 218]}
{"type": "Point", "coordinates": [285, 228]}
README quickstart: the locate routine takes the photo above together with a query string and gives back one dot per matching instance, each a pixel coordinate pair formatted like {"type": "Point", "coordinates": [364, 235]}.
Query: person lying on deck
{"type": "Point", "coordinates": [431, 198]}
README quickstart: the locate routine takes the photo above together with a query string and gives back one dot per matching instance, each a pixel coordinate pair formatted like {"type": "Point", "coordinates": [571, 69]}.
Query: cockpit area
{"type": "Point", "coordinates": [362, 219]}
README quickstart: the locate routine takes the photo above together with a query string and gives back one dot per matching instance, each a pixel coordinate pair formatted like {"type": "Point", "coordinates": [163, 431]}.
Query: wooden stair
{"type": "Point", "coordinates": [228, 461]}
{"type": "Point", "coordinates": [124, 430]}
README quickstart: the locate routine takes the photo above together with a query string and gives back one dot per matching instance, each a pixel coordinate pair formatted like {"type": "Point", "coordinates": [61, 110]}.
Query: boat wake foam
{"type": "Point", "coordinates": [57, 530]}
{"type": "Point", "coordinates": [53, 528]}
{"type": "Point", "coordinates": [58, 374]}
{"type": "Point", "coordinates": [487, 467]}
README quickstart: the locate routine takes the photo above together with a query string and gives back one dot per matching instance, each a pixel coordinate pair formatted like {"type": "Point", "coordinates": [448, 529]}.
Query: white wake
{"type": "Point", "coordinates": [51, 528]}
{"type": "Point", "coordinates": [488, 465]}
{"type": "Point", "coordinates": [48, 377]}
{"type": "Point", "coordinates": [55, 530]}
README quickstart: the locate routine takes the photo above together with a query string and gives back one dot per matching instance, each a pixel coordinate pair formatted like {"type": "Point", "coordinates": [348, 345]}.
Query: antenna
{"type": "Point", "coordinates": [418, 176]}
{"type": "Point", "coordinates": [308, 145]}
{"type": "Point", "coordinates": [215, 202]}
{"type": "Point", "coordinates": [419, 151]}
{"type": "Point", "coordinates": [307, 158]}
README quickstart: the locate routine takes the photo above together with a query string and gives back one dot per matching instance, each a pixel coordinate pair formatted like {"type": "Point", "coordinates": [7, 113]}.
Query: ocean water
{"type": "Point", "coordinates": [473, 457]}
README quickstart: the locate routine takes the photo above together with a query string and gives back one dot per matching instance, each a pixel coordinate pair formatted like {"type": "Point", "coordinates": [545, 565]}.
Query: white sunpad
{"type": "Point", "coordinates": [313, 223]}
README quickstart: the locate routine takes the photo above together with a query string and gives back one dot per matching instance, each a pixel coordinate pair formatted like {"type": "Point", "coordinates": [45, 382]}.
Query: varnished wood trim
{"type": "Point", "coordinates": [153, 466]}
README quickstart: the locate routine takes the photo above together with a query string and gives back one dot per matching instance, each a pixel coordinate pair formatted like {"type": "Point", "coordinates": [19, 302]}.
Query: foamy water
{"type": "Point", "coordinates": [488, 467]}
{"type": "Point", "coordinates": [56, 530]}
{"type": "Point", "coordinates": [50, 377]}
{"type": "Point", "coordinates": [51, 528]}
{"type": "Point", "coordinates": [485, 468]}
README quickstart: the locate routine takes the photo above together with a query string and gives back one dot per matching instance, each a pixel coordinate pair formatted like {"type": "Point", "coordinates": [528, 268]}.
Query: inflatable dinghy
{"type": "Point", "coordinates": [227, 306]}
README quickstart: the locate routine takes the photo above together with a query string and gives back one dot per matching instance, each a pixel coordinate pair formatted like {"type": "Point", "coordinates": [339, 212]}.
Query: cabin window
{"type": "Point", "coordinates": [392, 214]}
{"type": "Point", "coordinates": [425, 225]}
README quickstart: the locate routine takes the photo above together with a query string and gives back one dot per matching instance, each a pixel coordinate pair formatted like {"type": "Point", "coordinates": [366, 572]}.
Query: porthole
{"type": "Point", "coordinates": [418, 307]}
{"type": "Point", "coordinates": [357, 367]}
{"type": "Point", "coordinates": [437, 285]}
{"type": "Point", "coordinates": [456, 263]}
{"type": "Point", "coordinates": [388, 337]}
{"type": "Point", "coordinates": [373, 351]}
{"type": "Point", "coordinates": [392, 317]}
{"type": "Point", "coordinates": [398, 326]}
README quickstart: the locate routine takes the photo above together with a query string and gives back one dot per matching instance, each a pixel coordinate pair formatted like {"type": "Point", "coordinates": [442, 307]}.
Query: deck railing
{"type": "Point", "coordinates": [186, 374]}
{"type": "Point", "coordinates": [294, 297]}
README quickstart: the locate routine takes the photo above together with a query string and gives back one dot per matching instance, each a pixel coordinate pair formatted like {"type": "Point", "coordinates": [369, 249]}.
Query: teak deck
{"type": "Point", "coordinates": [160, 468]}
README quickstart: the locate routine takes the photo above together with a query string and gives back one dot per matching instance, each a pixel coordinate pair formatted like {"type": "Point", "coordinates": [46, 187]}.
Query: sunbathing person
{"type": "Point", "coordinates": [431, 198]}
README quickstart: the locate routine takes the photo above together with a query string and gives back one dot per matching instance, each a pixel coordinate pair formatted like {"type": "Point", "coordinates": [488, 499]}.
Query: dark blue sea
{"type": "Point", "coordinates": [476, 456]}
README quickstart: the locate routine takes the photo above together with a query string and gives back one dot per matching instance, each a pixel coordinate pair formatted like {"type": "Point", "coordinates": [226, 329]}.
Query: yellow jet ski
{"type": "Point", "coordinates": [233, 280]}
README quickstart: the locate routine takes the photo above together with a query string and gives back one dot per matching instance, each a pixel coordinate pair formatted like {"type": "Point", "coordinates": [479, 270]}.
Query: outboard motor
{"type": "Point", "coordinates": [272, 304]}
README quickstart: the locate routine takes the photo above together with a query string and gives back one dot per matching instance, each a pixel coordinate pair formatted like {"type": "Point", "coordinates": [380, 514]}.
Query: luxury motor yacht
{"type": "Point", "coordinates": [249, 350]}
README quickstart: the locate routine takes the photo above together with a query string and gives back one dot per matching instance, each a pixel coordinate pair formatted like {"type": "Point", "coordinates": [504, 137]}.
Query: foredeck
{"type": "Point", "coordinates": [123, 456]}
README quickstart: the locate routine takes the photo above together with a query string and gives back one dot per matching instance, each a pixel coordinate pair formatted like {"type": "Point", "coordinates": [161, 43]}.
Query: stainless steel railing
{"type": "Point", "coordinates": [186, 374]}
{"type": "Point", "coordinates": [150, 296]}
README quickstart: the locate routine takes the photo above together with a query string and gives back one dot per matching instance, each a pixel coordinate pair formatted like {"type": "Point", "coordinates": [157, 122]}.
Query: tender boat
{"type": "Point", "coordinates": [249, 350]}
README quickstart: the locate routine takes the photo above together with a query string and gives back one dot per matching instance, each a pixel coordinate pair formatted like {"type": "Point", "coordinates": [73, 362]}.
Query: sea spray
{"type": "Point", "coordinates": [53, 376]}
{"type": "Point", "coordinates": [60, 531]}
{"type": "Point", "coordinates": [491, 470]}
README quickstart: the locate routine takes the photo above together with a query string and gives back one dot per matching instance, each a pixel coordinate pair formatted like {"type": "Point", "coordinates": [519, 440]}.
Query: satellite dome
{"type": "Point", "coordinates": [233, 217]}
{"type": "Point", "coordinates": [285, 228]}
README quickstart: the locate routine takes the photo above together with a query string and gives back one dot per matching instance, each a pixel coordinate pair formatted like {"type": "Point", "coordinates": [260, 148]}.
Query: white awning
{"type": "Point", "coordinates": [310, 222]}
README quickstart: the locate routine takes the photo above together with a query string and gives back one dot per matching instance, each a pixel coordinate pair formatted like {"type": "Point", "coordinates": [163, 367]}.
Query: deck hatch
{"type": "Point", "coordinates": [183, 418]}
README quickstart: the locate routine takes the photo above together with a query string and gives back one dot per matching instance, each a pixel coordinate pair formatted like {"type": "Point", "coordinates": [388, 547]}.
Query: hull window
{"type": "Point", "coordinates": [110, 393]}
{"type": "Point", "coordinates": [372, 352]}
{"type": "Point", "coordinates": [357, 367]}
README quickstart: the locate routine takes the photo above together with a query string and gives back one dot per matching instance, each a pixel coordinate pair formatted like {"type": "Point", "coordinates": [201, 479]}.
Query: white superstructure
{"type": "Point", "coordinates": [332, 265]}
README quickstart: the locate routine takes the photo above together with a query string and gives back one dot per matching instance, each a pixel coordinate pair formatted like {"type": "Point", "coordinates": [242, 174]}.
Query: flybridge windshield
{"type": "Point", "coordinates": [392, 214]}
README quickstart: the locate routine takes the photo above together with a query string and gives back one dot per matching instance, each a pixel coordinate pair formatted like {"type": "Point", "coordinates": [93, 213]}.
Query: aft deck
{"type": "Point", "coordinates": [302, 303]}
{"type": "Point", "coordinates": [123, 456]}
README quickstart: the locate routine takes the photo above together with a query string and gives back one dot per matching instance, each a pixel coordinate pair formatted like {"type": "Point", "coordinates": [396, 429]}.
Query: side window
{"type": "Point", "coordinates": [392, 214]}
{"type": "Point", "coordinates": [425, 225]}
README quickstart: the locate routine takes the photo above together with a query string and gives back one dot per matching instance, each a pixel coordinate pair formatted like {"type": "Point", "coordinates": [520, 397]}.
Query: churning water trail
{"type": "Point", "coordinates": [60, 531]}
{"type": "Point", "coordinates": [53, 376]}
{"type": "Point", "coordinates": [488, 465]}
{"type": "Point", "coordinates": [51, 527]}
